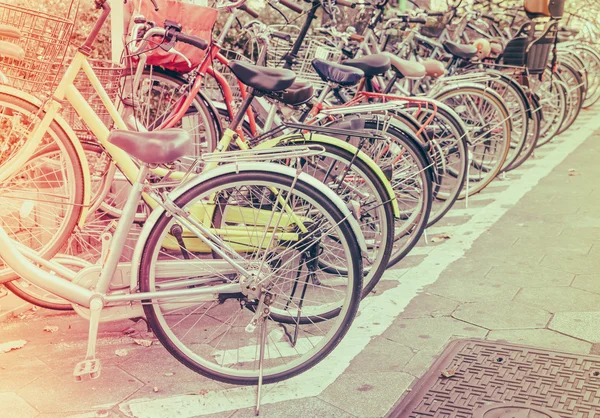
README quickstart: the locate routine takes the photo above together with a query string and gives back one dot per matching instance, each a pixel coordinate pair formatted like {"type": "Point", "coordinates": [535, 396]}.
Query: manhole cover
{"type": "Point", "coordinates": [489, 379]}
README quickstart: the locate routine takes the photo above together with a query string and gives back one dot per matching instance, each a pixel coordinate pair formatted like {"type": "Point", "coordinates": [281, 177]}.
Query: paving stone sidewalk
{"type": "Point", "coordinates": [532, 278]}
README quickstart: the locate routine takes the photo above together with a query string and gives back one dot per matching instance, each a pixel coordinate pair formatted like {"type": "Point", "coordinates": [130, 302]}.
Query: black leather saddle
{"type": "Point", "coordinates": [156, 147]}
{"type": "Point", "coordinates": [371, 65]}
{"type": "Point", "coordinates": [298, 93]}
{"type": "Point", "coordinates": [262, 78]}
{"type": "Point", "coordinates": [460, 51]}
{"type": "Point", "coordinates": [343, 75]}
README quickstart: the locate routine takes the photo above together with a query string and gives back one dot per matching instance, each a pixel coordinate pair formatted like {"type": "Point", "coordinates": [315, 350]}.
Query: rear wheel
{"type": "Point", "coordinates": [309, 310]}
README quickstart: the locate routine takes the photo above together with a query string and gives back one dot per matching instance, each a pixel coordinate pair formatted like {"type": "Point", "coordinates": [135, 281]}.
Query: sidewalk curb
{"type": "Point", "coordinates": [11, 306]}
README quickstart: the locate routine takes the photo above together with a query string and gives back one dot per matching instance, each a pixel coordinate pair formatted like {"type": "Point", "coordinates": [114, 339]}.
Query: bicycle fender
{"type": "Point", "coordinates": [325, 139]}
{"type": "Point", "coordinates": [87, 183]}
{"type": "Point", "coordinates": [238, 168]}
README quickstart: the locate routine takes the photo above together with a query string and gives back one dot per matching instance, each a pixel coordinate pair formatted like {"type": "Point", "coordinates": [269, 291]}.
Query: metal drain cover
{"type": "Point", "coordinates": [491, 379]}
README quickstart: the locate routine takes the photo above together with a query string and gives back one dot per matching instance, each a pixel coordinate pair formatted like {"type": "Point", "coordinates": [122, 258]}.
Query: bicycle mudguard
{"type": "Point", "coordinates": [87, 183]}
{"type": "Point", "coordinates": [324, 139]}
{"type": "Point", "coordinates": [238, 168]}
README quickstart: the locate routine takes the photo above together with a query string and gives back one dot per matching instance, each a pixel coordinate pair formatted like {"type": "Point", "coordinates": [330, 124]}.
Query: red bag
{"type": "Point", "coordinates": [194, 20]}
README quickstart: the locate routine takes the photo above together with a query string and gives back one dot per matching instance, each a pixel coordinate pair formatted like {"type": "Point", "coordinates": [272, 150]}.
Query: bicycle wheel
{"type": "Point", "coordinates": [575, 93]}
{"type": "Point", "coordinates": [158, 92]}
{"type": "Point", "coordinates": [553, 100]}
{"type": "Point", "coordinates": [213, 337]}
{"type": "Point", "coordinates": [42, 201]}
{"type": "Point", "coordinates": [488, 124]}
{"type": "Point", "coordinates": [533, 134]}
{"type": "Point", "coordinates": [363, 191]}
{"type": "Point", "coordinates": [410, 177]}
{"type": "Point", "coordinates": [591, 59]}
{"type": "Point", "coordinates": [447, 137]}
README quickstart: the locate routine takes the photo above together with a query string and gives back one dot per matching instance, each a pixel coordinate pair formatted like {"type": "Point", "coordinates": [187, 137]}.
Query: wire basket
{"type": "Point", "coordinates": [109, 75]}
{"type": "Point", "coordinates": [44, 38]}
{"type": "Point", "coordinates": [312, 47]}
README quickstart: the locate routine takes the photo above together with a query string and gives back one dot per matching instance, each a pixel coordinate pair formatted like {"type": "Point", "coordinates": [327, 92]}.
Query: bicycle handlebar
{"type": "Point", "coordinates": [292, 6]}
{"type": "Point", "coordinates": [345, 3]}
{"type": "Point", "coordinates": [248, 10]}
{"type": "Point", "coordinates": [192, 40]}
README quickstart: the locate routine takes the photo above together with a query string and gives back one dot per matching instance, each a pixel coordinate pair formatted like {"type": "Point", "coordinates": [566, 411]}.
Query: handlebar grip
{"type": "Point", "coordinates": [192, 40]}
{"type": "Point", "coordinates": [282, 35]}
{"type": "Point", "coordinates": [248, 10]}
{"type": "Point", "coordinates": [435, 14]}
{"type": "Point", "coordinates": [420, 20]}
{"type": "Point", "coordinates": [292, 6]}
{"type": "Point", "coordinates": [345, 3]}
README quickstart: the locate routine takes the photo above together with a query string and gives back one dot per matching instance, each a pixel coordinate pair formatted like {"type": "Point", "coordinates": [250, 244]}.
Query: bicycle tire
{"type": "Point", "coordinates": [318, 350]}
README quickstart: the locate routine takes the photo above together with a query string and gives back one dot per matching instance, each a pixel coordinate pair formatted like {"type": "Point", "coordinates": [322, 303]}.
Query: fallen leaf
{"type": "Point", "coordinates": [142, 342]}
{"type": "Point", "coordinates": [450, 372]}
{"type": "Point", "coordinates": [154, 389]}
{"type": "Point", "coordinates": [203, 391]}
{"type": "Point", "coordinates": [121, 352]}
{"type": "Point", "coordinates": [169, 374]}
{"type": "Point", "coordinates": [573, 172]}
{"type": "Point", "coordinates": [440, 238]}
{"type": "Point", "coordinates": [50, 328]}
{"type": "Point", "coordinates": [12, 345]}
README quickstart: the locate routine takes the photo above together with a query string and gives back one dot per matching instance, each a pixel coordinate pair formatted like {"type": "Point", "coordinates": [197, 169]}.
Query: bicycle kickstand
{"type": "Point", "coordinates": [263, 340]}
{"type": "Point", "coordinates": [90, 367]}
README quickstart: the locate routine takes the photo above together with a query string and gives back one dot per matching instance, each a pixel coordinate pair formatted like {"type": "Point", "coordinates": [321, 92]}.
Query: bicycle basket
{"type": "Point", "coordinates": [44, 38]}
{"type": "Point", "coordinates": [195, 20]}
{"type": "Point", "coordinates": [312, 47]}
{"type": "Point", "coordinates": [109, 75]}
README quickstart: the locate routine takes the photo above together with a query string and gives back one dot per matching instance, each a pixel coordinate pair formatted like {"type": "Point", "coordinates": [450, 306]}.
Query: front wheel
{"type": "Point", "coordinates": [213, 337]}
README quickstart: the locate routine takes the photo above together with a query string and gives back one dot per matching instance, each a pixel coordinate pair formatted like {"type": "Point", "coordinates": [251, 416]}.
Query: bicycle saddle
{"type": "Point", "coordinates": [460, 51]}
{"type": "Point", "coordinates": [407, 69]}
{"type": "Point", "coordinates": [156, 147]}
{"type": "Point", "coordinates": [8, 50]}
{"type": "Point", "coordinates": [371, 65]}
{"type": "Point", "coordinates": [337, 73]}
{"type": "Point", "coordinates": [298, 93]}
{"type": "Point", "coordinates": [262, 78]}
{"type": "Point", "coordinates": [7, 31]}
{"type": "Point", "coordinates": [434, 68]}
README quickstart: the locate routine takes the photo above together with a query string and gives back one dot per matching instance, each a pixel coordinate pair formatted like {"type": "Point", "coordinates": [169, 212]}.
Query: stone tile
{"type": "Point", "coordinates": [572, 263]}
{"type": "Point", "coordinates": [381, 355]}
{"type": "Point", "coordinates": [474, 290]}
{"type": "Point", "coordinates": [584, 229]}
{"type": "Point", "coordinates": [151, 367]}
{"type": "Point", "coordinates": [502, 315]}
{"type": "Point", "coordinates": [589, 282]}
{"type": "Point", "coordinates": [410, 261]}
{"type": "Point", "coordinates": [14, 406]}
{"type": "Point", "coordinates": [582, 325]}
{"type": "Point", "coordinates": [562, 244]}
{"type": "Point", "coordinates": [429, 333]}
{"type": "Point", "coordinates": [19, 372]}
{"type": "Point", "coordinates": [421, 362]}
{"type": "Point", "coordinates": [308, 407]}
{"type": "Point", "coordinates": [59, 392]}
{"type": "Point", "coordinates": [367, 394]}
{"type": "Point", "coordinates": [559, 299]}
{"type": "Point", "coordinates": [101, 413]}
{"type": "Point", "coordinates": [528, 276]}
{"type": "Point", "coordinates": [427, 305]}
{"type": "Point", "coordinates": [541, 338]}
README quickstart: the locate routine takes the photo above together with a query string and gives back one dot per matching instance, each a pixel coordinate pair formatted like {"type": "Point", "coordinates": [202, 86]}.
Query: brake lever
{"type": "Point", "coordinates": [155, 5]}
{"type": "Point", "coordinates": [174, 51]}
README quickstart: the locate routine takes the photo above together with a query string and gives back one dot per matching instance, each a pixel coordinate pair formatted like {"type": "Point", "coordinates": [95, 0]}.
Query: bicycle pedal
{"type": "Point", "coordinates": [87, 369]}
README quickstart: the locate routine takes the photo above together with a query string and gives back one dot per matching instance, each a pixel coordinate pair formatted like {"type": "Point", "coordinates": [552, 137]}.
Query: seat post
{"type": "Point", "coordinates": [239, 116]}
